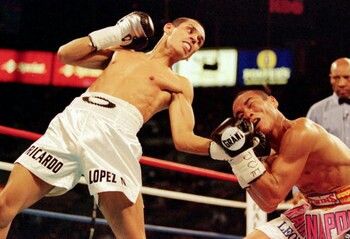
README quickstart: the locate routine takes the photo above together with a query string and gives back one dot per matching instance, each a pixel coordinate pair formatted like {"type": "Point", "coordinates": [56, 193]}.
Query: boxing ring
{"type": "Point", "coordinates": [253, 214]}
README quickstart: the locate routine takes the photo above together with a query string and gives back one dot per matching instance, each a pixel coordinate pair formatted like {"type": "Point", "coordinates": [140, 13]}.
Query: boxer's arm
{"type": "Point", "coordinates": [131, 32]}
{"type": "Point", "coordinates": [284, 169]}
{"type": "Point", "coordinates": [81, 52]}
{"type": "Point", "coordinates": [182, 123]}
{"type": "Point", "coordinates": [96, 49]}
{"type": "Point", "coordinates": [263, 204]}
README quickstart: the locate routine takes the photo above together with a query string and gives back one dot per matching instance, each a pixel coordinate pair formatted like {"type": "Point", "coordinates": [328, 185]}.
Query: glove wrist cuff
{"type": "Point", "coordinates": [136, 25]}
{"type": "Point", "coordinates": [105, 37]}
{"type": "Point", "coordinates": [247, 167]}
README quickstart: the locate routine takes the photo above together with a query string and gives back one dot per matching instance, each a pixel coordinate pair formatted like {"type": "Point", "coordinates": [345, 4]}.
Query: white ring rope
{"type": "Point", "coordinates": [177, 195]}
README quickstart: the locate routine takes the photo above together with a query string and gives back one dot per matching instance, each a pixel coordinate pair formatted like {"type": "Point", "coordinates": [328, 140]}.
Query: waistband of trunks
{"type": "Point", "coordinates": [112, 108]}
{"type": "Point", "coordinates": [337, 197]}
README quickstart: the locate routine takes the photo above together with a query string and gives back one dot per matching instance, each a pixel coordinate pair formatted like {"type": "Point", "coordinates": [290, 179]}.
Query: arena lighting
{"type": "Point", "coordinates": [210, 67]}
{"type": "Point", "coordinates": [206, 68]}
{"type": "Point", "coordinates": [264, 67]}
{"type": "Point", "coordinates": [295, 7]}
{"type": "Point", "coordinates": [28, 67]}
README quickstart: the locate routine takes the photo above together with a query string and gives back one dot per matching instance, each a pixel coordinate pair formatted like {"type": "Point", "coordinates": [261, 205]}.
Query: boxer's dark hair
{"type": "Point", "coordinates": [176, 22]}
{"type": "Point", "coordinates": [262, 93]}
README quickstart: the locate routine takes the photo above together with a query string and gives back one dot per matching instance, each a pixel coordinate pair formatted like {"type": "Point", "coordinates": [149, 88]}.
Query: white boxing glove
{"type": "Point", "coordinates": [132, 31]}
{"type": "Point", "coordinates": [236, 142]}
{"type": "Point", "coordinates": [246, 166]}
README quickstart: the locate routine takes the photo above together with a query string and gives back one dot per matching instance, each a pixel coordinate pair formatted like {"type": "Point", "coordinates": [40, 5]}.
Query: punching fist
{"type": "Point", "coordinates": [235, 136]}
{"type": "Point", "coordinates": [132, 32]}
{"type": "Point", "coordinates": [235, 141]}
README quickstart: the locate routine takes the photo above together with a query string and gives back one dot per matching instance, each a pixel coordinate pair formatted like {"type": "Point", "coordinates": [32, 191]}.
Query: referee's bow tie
{"type": "Point", "coordinates": [344, 101]}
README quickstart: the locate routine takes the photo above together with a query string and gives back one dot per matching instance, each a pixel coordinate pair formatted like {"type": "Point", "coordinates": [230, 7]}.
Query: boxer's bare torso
{"type": "Point", "coordinates": [328, 165]}
{"type": "Point", "coordinates": [142, 80]}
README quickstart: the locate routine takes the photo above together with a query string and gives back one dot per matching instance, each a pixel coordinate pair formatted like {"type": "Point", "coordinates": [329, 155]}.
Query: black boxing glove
{"type": "Point", "coordinates": [132, 32]}
{"type": "Point", "coordinates": [233, 134]}
{"type": "Point", "coordinates": [235, 141]}
{"type": "Point", "coordinates": [263, 148]}
{"type": "Point", "coordinates": [253, 138]}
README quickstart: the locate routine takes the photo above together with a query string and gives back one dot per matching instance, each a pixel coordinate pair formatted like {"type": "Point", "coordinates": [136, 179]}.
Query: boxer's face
{"type": "Point", "coordinates": [186, 38]}
{"type": "Point", "coordinates": [256, 109]}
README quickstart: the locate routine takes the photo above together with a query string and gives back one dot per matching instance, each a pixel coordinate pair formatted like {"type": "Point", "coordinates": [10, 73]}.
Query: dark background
{"type": "Point", "coordinates": [316, 37]}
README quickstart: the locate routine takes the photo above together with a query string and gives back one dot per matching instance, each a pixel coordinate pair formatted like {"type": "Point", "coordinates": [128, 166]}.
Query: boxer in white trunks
{"type": "Point", "coordinates": [306, 155]}
{"type": "Point", "coordinates": [96, 134]}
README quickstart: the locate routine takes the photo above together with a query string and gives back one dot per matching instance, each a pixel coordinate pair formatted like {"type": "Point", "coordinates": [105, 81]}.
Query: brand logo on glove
{"type": "Point", "coordinates": [233, 138]}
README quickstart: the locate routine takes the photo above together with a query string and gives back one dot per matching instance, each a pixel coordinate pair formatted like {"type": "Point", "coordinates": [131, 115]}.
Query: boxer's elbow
{"type": "Point", "coordinates": [183, 143]}
{"type": "Point", "coordinates": [272, 202]}
{"type": "Point", "coordinates": [192, 144]}
{"type": "Point", "coordinates": [68, 54]}
{"type": "Point", "coordinates": [63, 55]}
{"type": "Point", "coordinates": [267, 204]}
{"type": "Point", "coordinates": [270, 198]}
{"type": "Point", "coordinates": [178, 138]}
{"type": "Point", "coordinates": [268, 208]}
{"type": "Point", "coordinates": [180, 144]}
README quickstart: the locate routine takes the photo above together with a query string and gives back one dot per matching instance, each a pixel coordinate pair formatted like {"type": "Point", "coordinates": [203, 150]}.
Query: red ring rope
{"type": "Point", "coordinates": [144, 160]}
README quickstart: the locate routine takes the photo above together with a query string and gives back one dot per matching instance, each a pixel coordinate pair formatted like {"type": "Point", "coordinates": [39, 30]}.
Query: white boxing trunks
{"type": "Point", "coordinates": [94, 136]}
{"type": "Point", "coordinates": [325, 216]}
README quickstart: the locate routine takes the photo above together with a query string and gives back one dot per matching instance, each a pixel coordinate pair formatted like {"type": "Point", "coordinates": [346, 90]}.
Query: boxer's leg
{"type": "Point", "coordinates": [256, 234]}
{"type": "Point", "coordinates": [21, 191]}
{"type": "Point", "coordinates": [125, 218]}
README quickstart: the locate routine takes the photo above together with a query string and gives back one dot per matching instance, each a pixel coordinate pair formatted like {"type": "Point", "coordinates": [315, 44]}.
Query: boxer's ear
{"type": "Point", "coordinates": [168, 28]}
{"type": "Point", "coordinates": [273, 101]}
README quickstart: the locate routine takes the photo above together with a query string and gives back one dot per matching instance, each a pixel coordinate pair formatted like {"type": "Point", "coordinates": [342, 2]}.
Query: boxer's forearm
{"type": "Point", "coordinates": [80, 52]}
{"type": "Point", "coordinates": [191, 143]}
{"type": "Point", "coordinates": [182, 127]}
{"type": "Point", "coordinates": [264, 204]}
